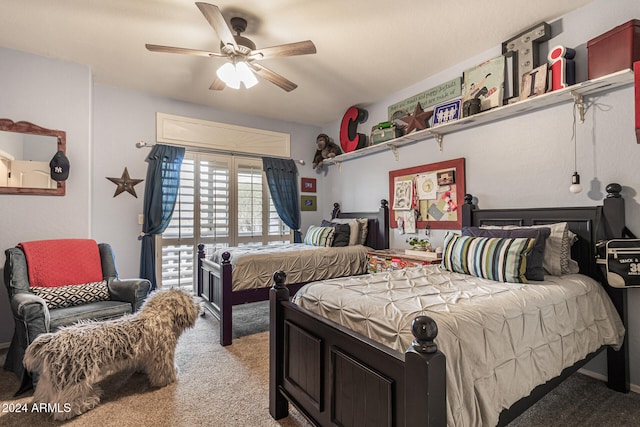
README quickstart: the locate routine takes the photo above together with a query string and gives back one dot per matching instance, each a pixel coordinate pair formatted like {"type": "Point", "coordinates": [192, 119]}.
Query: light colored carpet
{"type": "Point", "coordinates": [217, 386]}
{"type": "Point", "coordinates": [228, 386]}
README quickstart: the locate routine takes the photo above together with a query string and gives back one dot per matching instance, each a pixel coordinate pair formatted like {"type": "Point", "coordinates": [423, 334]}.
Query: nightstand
{"type": "Point", "coordinates": [395, 259]}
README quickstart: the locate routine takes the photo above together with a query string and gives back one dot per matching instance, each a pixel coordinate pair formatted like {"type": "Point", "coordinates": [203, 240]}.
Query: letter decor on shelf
{"type": "Point", "coordinates": [534, 82]}
{"type": "Point", "coordinates": [525, 46]}
{"type": "Point", "coordinates": [563, 67]}
{"type": "Point", "coordinates": [350, 139]}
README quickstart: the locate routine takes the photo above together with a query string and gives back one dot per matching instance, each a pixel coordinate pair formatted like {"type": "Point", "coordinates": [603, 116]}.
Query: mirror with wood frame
{"type": "Point", "coordinates": [25, 152]}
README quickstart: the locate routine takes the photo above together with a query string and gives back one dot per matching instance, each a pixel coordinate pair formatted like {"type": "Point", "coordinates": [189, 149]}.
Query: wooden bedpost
{"type": "Point", "coordinates": [226, 303]}
{"type": "Point", "coordinates": [278, 405]}
{"type": "Point", "coordinates": [336, 210]}
{"type": "Point", "coordinates": [425, 377]}
{"type": "Point", "coordinates": [383, 224]}
{"type": "Point", "coordinates": [467, 207]}
{"type": "Point", "coordinates": [201, 254]}
{"type": "Point", "coordinates": [614, 228]}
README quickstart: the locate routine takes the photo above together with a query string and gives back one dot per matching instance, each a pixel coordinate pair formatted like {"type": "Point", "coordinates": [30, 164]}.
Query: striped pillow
{"type": "Point", "coordinates": [502, 260]}
{"type": "Point", "coordinates": [319, 236]}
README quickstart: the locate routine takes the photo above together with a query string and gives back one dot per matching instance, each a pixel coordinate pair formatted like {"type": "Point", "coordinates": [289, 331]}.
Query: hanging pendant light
{"type": "Point", "coordinates": [575, 186]}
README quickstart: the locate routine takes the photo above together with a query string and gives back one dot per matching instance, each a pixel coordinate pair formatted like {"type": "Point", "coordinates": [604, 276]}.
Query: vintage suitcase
{"type": "Point", "coordinates": [614, 50]}
{"type": "Point", "coordinates": [622, 259]}
{"type": "Point", "coordinates": [386, 134]}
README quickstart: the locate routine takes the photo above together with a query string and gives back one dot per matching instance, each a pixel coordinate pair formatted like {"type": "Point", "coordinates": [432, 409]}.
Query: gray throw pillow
{"type": "Point", "coordinates": [341, 235]}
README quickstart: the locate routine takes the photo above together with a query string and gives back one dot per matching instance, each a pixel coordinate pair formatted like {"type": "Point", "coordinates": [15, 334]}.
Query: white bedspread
{"type": "Point", "coordinates": [253, 267]}
{"type": "Point", "coordinates": [500, 339]}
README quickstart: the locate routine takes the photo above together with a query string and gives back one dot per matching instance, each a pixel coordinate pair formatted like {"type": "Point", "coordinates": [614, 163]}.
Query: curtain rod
{"type": "Point", "coordinates": [142, 144]}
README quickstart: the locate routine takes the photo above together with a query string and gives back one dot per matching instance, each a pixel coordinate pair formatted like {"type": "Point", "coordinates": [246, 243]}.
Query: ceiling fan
{"type": "Point", "coordinates": [241, 52]}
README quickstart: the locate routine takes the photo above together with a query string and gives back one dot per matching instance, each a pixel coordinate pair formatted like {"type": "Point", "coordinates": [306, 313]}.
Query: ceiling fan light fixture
{"type": "Point", "coordinates": [240, 50]}
{"type": "Point", "coordinates": [245, 75]}
{"type": "Point", "coordinates": [228, 74]}
{"type": "Point", "coordinates": [234, 74]}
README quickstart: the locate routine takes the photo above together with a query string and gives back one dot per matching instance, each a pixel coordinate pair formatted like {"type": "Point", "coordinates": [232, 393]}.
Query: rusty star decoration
{"type": "Point", "coordinates": [125, 183]}
{"type": "Point", "coordinates": [417, 120]}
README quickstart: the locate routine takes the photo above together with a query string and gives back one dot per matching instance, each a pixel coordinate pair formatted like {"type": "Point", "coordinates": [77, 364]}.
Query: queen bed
{"type": "Point", "coordinates": [240, 275]}
{"type": "Point", "coordinates": [432, 346]}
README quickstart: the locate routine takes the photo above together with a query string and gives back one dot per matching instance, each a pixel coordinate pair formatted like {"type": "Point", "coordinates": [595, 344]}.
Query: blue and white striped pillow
{"type": "Point", "coordinates": [502, 260]}
{"type": "Point", "coordinates": [319, 236]}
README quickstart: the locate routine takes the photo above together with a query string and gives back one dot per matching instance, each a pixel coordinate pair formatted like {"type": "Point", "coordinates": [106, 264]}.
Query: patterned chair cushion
{"type": "Point", "coordinates": [67, 296]}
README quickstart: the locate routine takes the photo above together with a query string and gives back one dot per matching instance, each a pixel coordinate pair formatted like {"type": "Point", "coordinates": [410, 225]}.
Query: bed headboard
{"type": "Point", "coordinates": [591, 224]}
{"type": "Point", "coordinates": [378, 234]}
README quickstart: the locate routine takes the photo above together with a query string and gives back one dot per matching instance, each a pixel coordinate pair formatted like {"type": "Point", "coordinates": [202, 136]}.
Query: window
{"type": "Point", "coordinates": [223, 201]}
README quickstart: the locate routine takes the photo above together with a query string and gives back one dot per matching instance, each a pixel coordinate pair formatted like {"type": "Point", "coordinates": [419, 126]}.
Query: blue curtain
{"type": "Point", "coordinates": [161, 191]}
{"type": "Point", "coordinates": [282, 180]}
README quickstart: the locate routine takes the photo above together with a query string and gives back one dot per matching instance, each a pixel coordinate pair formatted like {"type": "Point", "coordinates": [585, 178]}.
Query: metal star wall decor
{"type": "Point", "coordinates": [417, 120]}
{"type": "Point", "coordinates": [125, 183]}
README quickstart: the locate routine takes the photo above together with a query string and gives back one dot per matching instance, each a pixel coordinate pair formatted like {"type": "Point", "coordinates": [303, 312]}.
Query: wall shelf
{"type": "Point", "coordinates": [573, 93]}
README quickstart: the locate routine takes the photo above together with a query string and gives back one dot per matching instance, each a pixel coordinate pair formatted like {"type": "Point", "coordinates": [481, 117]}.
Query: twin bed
{"type": "Point", "coordinates": [428, 346]}
{"type": "Point", "coordinates": [233, 276]}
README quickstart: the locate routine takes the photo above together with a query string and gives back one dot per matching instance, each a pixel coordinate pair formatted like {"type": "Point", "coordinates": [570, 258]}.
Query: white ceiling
{"type": "Point", "coordinates": [366, 49]}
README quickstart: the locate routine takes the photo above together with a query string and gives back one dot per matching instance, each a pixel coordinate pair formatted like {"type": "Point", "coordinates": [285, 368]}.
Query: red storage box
{"type": "Point", "coordinates": [614, 50]}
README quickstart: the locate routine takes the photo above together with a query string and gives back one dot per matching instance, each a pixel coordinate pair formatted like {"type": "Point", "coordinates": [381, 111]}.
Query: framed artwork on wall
{"type": "Point", "coordinates": [486, 82]}
{"type": "Point", "coordinates": [308, 203]}
{"type": "Point", "coordinates": [308, 185]}
{"type": "Point", "coordinates": [431, 193]}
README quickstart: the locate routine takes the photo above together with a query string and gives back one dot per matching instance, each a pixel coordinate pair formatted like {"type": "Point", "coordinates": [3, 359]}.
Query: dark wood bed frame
{"type": "Point", "coordinates": [335, 376]}
{"type": "Point", "coordinates": [215, 279]}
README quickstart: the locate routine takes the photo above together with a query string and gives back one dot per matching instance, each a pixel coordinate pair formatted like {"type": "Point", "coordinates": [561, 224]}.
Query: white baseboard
{"type": "Point", "coordinates": [634, 388]}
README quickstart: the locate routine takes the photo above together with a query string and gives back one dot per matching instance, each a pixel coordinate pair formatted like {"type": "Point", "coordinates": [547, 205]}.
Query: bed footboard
{"type": "Point", "coordinates": [214, 286]}
{"type": "Point", "coordinates": [336, 376]}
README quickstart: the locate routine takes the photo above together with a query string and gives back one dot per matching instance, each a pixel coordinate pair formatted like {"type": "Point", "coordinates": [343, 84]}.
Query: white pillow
{"type": "Point", "coordinates": [359, 229]}
{"type": "Point", "coordinates": [557, 251]}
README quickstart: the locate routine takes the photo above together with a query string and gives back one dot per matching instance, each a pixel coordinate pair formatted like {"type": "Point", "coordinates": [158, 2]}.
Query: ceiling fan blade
{"type": "Point", "coordinates": [217, 84]}
{"type": "Point", "coordinates": [216, 20]}
{"type": "Point", "coordinates": [292, 49]}
{"type": "Point", "coordinates": [171, 49]}
{"type": "Point", "coordinates": [273, 77]}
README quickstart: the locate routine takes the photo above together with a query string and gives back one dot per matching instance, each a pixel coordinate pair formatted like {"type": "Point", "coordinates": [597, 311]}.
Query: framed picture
{"type": "Point", "coordinates": [308, 185]}
{"type": "Point", "coordinates": [446, 177]}
{"type": "Point", "coordinates": [402, 194]}
{"type": "Point", "coordinates": [485, 82]}
{"type": "Point", "coordinates": [447, 112]}
{"type": "Point", "coordinates": [308, 203]}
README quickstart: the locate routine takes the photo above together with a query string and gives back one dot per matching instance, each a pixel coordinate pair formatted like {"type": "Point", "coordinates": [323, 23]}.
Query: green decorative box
{"type": "Point", "coordinates": [382, 135]}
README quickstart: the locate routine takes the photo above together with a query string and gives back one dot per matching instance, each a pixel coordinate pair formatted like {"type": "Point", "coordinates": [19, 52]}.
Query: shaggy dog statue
{"type": "Point", "coordinates": [71, 361]}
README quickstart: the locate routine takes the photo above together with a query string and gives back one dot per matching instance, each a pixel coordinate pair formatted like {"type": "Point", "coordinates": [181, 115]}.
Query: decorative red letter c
{"type": "Point", "coordinates": [350, 140]}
